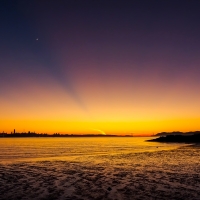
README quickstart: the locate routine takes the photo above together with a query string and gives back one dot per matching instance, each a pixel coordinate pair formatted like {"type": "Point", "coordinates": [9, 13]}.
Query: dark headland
{"type": "Point", "coordinates": [177, 137]}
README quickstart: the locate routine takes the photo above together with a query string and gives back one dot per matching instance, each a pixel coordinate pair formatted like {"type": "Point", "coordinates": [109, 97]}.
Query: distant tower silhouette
{"type": "Point", "coordinates": [14, 131]}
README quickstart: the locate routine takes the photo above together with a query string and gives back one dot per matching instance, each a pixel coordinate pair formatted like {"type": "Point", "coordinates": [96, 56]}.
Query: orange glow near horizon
{"type": "Point", "coordinates": [114, 103]}
{"type": "Point", "coordinates": [116, 106]}
{"type": "Point", "coordinates": [122, 128]}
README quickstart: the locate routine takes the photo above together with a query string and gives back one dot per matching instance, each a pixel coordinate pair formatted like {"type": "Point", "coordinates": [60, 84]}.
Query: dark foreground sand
{"type": "Point", "coordinates": [173, 174]}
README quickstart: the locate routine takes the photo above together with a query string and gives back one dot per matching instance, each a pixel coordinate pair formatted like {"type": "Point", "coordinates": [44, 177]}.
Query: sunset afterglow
{"type": "Point", "coordinates": [73, 70]}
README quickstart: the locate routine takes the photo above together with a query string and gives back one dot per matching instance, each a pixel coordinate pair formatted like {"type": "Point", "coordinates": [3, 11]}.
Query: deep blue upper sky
{"type": "Point", "coordinates": [140, 31]}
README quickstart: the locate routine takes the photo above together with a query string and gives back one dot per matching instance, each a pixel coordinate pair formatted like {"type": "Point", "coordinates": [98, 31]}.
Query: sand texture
{"type": "Point", "coordinates": [173, 174]}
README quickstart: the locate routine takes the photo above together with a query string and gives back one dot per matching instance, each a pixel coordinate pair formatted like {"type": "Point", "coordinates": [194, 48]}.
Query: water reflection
{"type": "Point", "coordinates": [16, 149]}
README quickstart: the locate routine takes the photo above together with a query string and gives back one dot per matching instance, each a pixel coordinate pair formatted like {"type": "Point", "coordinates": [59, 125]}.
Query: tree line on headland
{"type": "Point", "coordinates": [177, 133]}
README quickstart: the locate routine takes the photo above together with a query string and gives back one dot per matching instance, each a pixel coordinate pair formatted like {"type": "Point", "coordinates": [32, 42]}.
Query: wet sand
{"type": "Point", "coordinates": [173, 174]}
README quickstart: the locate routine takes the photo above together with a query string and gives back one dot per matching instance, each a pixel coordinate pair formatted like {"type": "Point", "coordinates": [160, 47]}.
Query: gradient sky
{"type": "Point", "coordinates": [79, 66]}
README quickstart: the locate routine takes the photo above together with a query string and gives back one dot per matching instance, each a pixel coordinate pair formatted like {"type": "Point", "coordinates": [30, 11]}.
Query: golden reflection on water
{"type": "Point", "coordinates": [72, 148]}
{"type": "Point", "coordinates": [97, 168]}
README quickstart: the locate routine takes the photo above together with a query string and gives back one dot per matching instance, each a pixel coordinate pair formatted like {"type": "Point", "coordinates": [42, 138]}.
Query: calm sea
{"type": "Point", "coordinates": [17, 149]}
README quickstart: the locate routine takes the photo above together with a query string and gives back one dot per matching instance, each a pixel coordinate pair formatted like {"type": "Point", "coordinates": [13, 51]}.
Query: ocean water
{"type": "Point", "coordinates": [27, 149]}
{"type": "Point", "coordinates": [98, 168]}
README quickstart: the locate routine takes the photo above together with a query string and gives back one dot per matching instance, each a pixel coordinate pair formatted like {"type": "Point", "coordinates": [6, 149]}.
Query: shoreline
{"type": "Point", "coordinates": [156, 175]}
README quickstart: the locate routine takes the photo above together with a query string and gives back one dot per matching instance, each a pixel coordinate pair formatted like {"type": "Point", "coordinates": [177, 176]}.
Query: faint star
{"type": "Point", "coordinates": [37, 39]}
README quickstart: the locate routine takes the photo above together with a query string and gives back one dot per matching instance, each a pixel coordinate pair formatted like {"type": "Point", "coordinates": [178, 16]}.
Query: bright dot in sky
{"type": "Point", "coordinates": [36, 38]}
{"type": "Point", "coordinates": [103, 133]}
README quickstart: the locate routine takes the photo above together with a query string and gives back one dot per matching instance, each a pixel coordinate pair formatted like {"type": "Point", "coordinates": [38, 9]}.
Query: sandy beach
{"type": "Point", "coordinates": [173, 174]}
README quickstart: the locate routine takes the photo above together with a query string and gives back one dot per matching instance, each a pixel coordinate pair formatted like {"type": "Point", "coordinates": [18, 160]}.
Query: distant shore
{"type": "Point", "coordinates": [181, 138]}
{"type": "Point", "coordinates": [30, 134]}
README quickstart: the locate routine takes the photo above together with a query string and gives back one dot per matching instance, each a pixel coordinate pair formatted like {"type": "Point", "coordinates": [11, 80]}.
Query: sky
{"type": "Point", "coordinates": [113, 67]}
